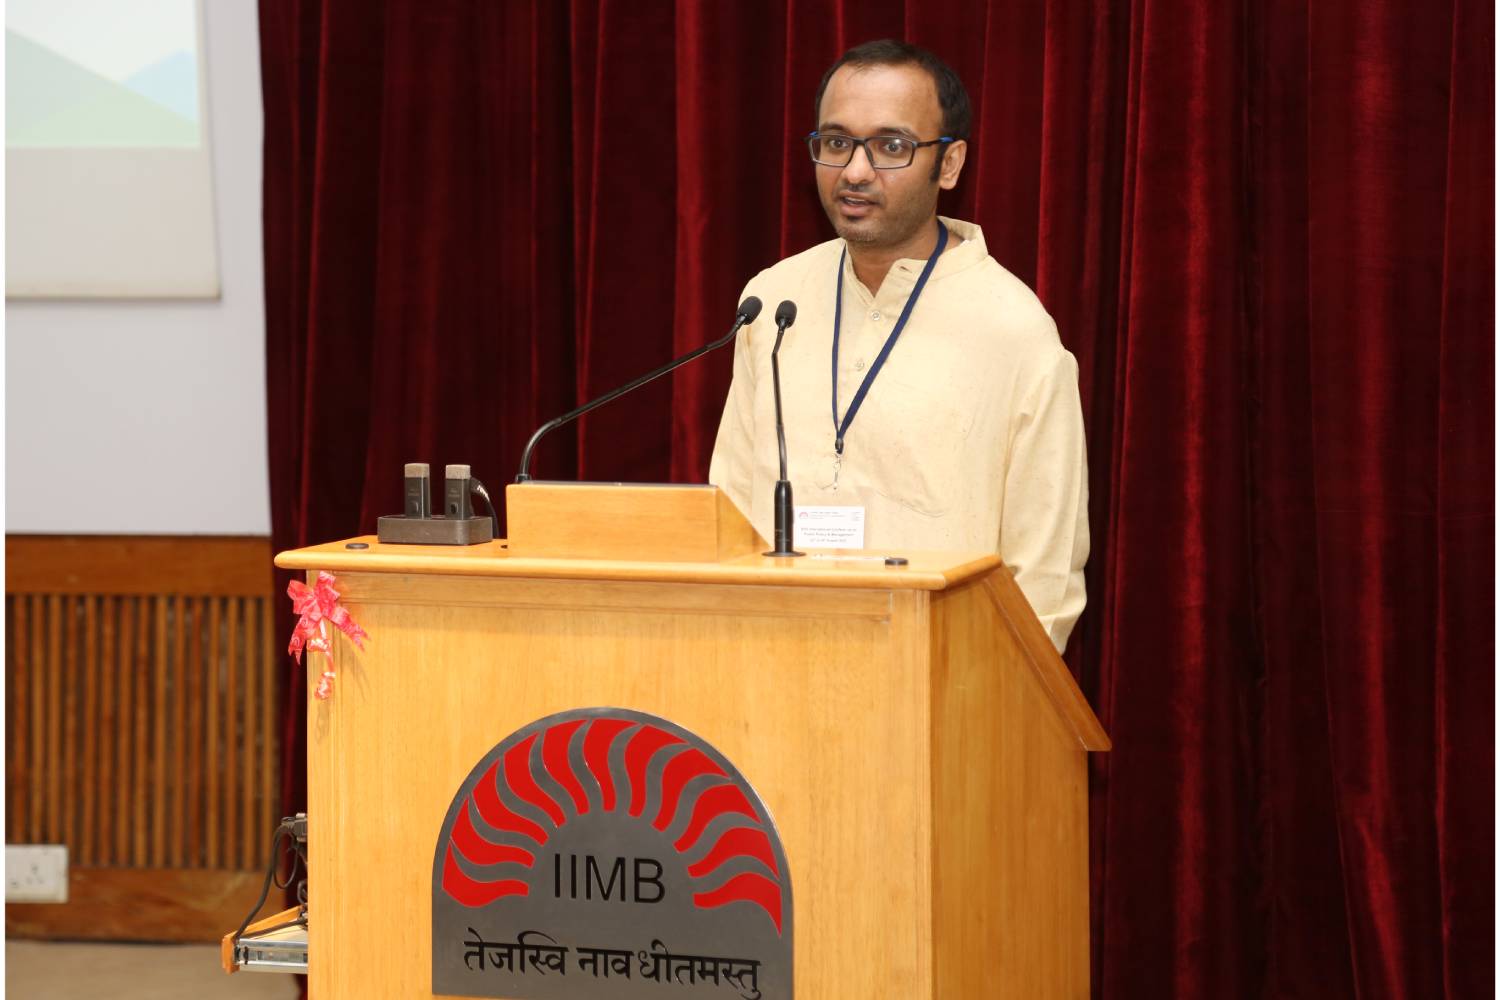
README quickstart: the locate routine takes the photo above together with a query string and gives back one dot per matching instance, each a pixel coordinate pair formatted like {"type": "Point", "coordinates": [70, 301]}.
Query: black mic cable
{"type": "Point", "coordinates": [786, 315]}
{"type": "Point", "coordinates": [749, 309]}
{"type": "Point", "coordinates": [477, 488]}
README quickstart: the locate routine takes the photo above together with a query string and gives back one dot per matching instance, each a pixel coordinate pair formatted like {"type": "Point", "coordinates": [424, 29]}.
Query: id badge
{"type": "Point", "coordinates": [828, 527]}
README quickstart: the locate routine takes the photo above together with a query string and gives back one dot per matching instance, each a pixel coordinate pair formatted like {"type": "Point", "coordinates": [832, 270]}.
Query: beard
{"type": "Point", "coordinates": [888, 224]}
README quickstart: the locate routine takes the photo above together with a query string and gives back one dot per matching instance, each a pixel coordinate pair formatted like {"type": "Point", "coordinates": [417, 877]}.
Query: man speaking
{"type": "Point", "coordinates": [928, 401]}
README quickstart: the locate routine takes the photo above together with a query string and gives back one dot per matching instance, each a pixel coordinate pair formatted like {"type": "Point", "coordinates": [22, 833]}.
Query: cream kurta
{"type": "Point", "coordinates": [971, 437]}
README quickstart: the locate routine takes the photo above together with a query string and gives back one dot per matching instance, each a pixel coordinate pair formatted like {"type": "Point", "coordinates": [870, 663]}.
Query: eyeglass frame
{"type": "Point", "coordinates": [944, 140]}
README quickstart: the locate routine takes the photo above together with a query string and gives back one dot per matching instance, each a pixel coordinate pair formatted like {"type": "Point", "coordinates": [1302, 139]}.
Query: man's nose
{"type": "Point", "coordinates": [860, 168]}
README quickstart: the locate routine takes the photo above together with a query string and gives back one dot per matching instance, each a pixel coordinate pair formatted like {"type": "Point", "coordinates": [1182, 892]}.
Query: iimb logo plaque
{"type": "Point", "coordinates": [608, 853]}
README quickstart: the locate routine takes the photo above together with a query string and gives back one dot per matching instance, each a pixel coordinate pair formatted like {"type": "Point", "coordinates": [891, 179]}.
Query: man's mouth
{"type": "Point", "coordinates": [855, 204]}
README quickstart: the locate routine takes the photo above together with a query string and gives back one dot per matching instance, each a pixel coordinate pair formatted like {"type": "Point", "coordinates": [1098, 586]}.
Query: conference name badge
{"type": "Point", "coordinates": [828, 527]}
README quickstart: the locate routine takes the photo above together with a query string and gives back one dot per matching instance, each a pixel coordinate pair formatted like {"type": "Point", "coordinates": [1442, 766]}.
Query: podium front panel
{"type": "Point", "coordinates": [820, 697]}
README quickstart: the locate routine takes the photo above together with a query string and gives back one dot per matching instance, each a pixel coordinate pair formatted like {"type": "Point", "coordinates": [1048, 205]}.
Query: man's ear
{"type": "Point", "coordinates": [952, 165]}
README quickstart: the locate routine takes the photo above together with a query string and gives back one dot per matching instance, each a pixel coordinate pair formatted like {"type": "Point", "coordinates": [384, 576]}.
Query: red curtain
{"type": "Point", "coordinates": [1264, 229]}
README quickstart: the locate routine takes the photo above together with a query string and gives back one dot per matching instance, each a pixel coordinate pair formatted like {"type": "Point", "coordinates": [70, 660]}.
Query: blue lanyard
{"type": "Point", "coordinates": [840, 429]}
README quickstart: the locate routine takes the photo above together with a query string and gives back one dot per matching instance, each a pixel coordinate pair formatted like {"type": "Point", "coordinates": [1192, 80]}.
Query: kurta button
{"type": "Point", "coordinates": [859, 365]}
{"type": "Point", "coordinates": [875, 316]}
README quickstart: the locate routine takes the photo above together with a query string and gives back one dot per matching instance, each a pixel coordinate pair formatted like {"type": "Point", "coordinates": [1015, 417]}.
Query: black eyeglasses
{"type": "Point", "coordinates": [886, 152]}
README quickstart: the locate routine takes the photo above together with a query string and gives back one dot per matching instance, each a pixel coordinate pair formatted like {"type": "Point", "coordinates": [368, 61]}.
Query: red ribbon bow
{"type": "Point", "coordinates": [319, 605]}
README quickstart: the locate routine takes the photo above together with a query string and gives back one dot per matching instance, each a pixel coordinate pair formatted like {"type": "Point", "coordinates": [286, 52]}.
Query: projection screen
{"type": "Point", "coordinates": [108, 181]}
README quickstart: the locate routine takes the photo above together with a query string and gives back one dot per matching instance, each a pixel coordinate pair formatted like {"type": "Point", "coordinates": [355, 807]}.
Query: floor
{"type": "Point", "coordinates": [57, 970]}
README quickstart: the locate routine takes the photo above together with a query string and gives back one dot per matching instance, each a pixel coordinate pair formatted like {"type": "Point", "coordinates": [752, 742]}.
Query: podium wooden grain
{"type": "Point", "coordinates": [919, 744]}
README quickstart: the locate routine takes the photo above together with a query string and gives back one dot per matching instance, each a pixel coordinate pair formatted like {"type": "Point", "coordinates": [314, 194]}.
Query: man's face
{"type": "Point", "coordinates": [884, 209]}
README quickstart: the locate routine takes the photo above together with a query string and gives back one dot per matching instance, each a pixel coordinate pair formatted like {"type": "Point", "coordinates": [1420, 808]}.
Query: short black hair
{"type": "Point", "coordinates": [958, 116]}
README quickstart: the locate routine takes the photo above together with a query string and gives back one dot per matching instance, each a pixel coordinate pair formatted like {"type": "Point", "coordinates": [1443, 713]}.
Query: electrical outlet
{"type": "Point", "coordinates": [36, 873]}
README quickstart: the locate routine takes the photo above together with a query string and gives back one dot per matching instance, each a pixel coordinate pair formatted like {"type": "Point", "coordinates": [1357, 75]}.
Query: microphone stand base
{"type": "Point", "coordinates": [438, 530]}
{"type": "Point", "coordinates": [781, 502]}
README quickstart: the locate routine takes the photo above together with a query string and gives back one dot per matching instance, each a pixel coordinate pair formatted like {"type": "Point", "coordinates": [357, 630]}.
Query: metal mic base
{"type": "Point", "coordinates": [395, 529]}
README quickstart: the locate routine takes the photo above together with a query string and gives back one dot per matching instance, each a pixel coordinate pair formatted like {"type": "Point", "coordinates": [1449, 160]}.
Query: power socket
{"type": "Point", "coordinates": [36, 873]}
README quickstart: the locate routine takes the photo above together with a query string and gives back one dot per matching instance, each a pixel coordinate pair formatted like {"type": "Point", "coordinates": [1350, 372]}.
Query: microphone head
{"type": "Point", "coordinates": [749, 309]}
{"type": "Point", "coordinates": [786, 314]}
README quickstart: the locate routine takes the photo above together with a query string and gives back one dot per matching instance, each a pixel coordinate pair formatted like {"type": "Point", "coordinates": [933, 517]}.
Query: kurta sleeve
{"type": "Point", "coordinates": [1044, 527]}
{"type": "Point", "coordinates": [733, 463]}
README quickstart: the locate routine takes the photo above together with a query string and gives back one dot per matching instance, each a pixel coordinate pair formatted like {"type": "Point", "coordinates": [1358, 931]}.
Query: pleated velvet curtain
{"type": "Point", "coordinates": [1265, 229]}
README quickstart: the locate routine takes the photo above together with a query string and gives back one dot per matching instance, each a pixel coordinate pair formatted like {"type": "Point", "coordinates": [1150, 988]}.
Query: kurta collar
{"type": "Point", "coordinates": [966, 247]}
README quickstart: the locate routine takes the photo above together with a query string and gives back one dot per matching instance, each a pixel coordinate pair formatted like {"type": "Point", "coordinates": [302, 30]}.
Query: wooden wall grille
{"type": "Point", "coordinates": [141, 729]}
{"type": "Point", "coordinates": [143, 679]}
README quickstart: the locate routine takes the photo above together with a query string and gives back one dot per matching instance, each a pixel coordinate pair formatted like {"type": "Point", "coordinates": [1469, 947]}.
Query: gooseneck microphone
{"type": "Point", "coordinates": [786, 315]}
{"type": "Point", "coordinates": [749, 309]}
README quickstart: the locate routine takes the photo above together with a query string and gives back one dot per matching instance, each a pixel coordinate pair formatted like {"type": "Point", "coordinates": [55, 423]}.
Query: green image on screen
{"type": "Point", "coordinates": [101, 73]}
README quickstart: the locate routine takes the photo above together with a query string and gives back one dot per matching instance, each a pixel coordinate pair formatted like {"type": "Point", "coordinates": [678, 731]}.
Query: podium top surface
{"type": "Point", "coordinates": [819, 568]}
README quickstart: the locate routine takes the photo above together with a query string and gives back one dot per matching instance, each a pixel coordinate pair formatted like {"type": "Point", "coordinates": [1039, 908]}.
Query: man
{"type": "Point", "coordinates": [969, 434]}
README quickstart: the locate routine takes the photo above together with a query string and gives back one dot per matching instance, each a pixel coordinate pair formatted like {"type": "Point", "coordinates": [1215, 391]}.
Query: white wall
{"type": "Point", "coordinates": [150, 417]}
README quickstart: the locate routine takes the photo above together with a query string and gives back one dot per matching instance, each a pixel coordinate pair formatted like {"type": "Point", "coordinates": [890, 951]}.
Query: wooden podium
{"type": "Point", "coordinates": [916, 738]}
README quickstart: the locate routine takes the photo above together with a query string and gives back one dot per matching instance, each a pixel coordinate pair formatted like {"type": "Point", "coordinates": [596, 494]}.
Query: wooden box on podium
{"type": "Point", "coordinates": [919, 743]}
